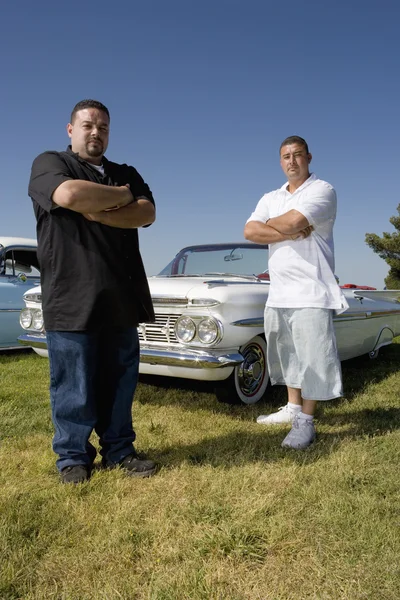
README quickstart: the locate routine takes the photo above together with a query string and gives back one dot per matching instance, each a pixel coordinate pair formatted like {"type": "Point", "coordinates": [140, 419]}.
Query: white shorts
{"type": "Point", "coordinates": [302, 351]}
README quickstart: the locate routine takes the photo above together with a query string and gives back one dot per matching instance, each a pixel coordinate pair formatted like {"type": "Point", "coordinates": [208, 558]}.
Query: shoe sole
{"type": "Point", "coordinates": [75, 482]}
{"type": "Point", "coordinates": [148, 473]}
{"type": "Point", "coordinates": [297, 447]}
{"type": "Point", "coordinates": [274, 422]}
{"type": "Point", "coordinates": [129, 473]}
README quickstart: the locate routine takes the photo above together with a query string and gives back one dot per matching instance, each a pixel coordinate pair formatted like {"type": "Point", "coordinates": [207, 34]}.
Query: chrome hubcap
{"type": "Point", "coordinates": [252, 370]}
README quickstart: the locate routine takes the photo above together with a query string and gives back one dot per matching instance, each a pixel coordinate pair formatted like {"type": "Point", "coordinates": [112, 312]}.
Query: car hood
{"type": "Point", "coordinates": [215, 286]}
{"type": "Point", "coordinates": [222, 289]}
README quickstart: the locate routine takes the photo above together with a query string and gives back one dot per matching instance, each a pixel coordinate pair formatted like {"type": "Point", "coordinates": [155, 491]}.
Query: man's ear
{"type": "Point", "coordinates": [309, 158]}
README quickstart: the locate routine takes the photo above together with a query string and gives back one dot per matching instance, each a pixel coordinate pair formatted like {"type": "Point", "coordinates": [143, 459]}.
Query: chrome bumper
{"type": "Point", "coordinates": [192, 359]}
{"type": "Point", "coordinates": [32, 340]}
{"type": "Point", "coordinates": [170, 357]}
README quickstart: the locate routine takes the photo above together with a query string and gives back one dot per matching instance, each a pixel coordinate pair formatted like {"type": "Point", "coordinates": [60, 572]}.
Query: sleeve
{"type": "Point", "coordinates": [318, 206]}
{"type": "Point", "coordinates": [261, 212]}
{"type": "Point", "coordinates": [49, 171]}
{"type": "Point", "coordinates": [139, 188]}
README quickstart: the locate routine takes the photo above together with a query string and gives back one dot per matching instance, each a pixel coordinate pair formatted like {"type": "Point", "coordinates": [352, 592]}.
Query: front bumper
{"type": "Point", "coordinates": [188, 358]}
{"type": "Point", "coordinates": [159, 355]}
{"type": "Point", "coordinates": [33, 340]}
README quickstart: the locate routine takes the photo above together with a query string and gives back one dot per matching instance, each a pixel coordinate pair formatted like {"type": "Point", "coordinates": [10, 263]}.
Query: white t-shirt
{"type": "Point", "coordinates": [302, 271]}
{"type": "Point", "coordinates": [98, 168]}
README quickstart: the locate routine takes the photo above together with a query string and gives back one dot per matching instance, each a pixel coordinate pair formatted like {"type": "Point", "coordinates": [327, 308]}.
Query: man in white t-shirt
{"type": "Point", "coordinates": [297, 222]}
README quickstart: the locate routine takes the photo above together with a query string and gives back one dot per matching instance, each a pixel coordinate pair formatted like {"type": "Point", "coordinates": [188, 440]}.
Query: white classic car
{"type": "Point", "coordinates": [209, 304]}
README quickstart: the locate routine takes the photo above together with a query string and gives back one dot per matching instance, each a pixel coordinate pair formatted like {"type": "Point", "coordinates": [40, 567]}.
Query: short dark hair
{"type": "Point", "coordinates": [294, 139]}
{"type": "Point", "coordinates": [89, 104]}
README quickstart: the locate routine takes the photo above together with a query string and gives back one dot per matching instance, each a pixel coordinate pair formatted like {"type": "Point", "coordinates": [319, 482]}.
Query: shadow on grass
{"type": "Point", "coordinates": [239, 448]}
{"type": "Point", "coordinates": [264, 444]}
{"type": "Point", "coordinates": [15, 355]}
{"type": "Point", "coordinates": [367, 421]}
{"type": "Point", "coordinates": [360, 372]}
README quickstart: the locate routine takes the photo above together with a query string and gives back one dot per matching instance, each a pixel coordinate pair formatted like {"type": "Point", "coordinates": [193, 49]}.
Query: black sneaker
{"type": "Point", "coordinates": [134, 466]}
{"type": "Point", "coordinates": [75, 474]}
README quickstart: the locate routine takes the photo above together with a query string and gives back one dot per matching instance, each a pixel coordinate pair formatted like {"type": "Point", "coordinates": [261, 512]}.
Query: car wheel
{"type": "Point", "coordinates": [249, 380]}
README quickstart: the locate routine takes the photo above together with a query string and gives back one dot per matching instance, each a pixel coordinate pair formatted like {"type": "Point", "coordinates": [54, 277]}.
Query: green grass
{"type": "Point", "coordinates": [229, 516]}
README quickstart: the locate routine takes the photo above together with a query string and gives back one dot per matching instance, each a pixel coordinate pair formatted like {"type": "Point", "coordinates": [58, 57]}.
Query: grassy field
{"type": "Point", "coordinates": [229, 516]}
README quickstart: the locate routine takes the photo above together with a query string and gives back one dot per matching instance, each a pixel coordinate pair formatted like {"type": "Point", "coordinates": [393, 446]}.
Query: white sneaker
{"type": "Point", "coordinates": [285, 414]}
{"type": "Point", "coordinates": [301, 435]}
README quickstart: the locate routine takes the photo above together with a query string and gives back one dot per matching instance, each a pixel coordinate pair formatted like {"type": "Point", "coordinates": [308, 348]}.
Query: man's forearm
{"type": "Point", "coordinates": [261, 233]}
{"type": "Point", "coordinates": [289, 223]}
{"type": "Point", "coordinates": [89, 197]}
{"type": "Point", "coordinates": [137, 214]}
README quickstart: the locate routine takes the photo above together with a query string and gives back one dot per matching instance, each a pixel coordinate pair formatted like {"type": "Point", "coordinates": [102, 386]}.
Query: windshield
{"type": "Point", "coordinates": [219, 259]}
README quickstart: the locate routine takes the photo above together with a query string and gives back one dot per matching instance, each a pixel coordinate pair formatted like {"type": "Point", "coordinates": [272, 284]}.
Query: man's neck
{"type": "Point", "coordinates": [94, 161]}
{"type": "Point", "coordinates": [294, 185]}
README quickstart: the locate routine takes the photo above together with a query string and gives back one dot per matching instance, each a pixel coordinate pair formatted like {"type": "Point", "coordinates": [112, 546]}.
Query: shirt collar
{"type": "Point", "coordinates": [82, 160]}
{"type": "Point", "coordinates": [307, 182]}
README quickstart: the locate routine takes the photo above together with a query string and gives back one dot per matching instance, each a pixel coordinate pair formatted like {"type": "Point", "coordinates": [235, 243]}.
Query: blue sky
{"type": "Point", "coordinates": [201, 93]}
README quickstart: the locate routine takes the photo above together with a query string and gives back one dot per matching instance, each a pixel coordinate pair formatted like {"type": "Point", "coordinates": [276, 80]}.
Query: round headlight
{"type": "Point", "coordinates": [37, 320]}
{"type": "Point", "coordinates": [207, 331]}
{"type": "Point", "coordinates": [185, 329]}
{"type": "Point", "coordinates": [25, 318]}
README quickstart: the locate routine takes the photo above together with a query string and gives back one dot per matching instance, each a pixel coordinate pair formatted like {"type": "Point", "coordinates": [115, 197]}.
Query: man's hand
{"type": "Point", "coordinates": [303, 234]}
{"type": "Point", "coordinates": [124, 202]}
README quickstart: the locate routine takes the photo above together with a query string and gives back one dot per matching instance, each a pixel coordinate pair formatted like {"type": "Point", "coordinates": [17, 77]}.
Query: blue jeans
{"type": "Point", "coordinates": [93, 377]}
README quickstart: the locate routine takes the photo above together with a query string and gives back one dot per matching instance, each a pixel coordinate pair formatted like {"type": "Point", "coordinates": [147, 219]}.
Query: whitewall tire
{"type": "Point", "coordinates": [249, 380]}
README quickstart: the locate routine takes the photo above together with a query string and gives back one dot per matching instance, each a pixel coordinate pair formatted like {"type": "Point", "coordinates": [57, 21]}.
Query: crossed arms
{"type": "Point", "coordinates": [113, 206]}
{"type": "Point", "coordinates": [291, 225]}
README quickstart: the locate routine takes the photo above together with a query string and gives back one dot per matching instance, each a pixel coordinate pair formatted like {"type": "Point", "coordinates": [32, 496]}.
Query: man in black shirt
{"type": "Point", "coordinates": [94, 291]}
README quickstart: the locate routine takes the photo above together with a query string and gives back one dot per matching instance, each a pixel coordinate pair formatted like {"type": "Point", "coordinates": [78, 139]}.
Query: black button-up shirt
{"type": "Point", "coordinates": [92, 274]}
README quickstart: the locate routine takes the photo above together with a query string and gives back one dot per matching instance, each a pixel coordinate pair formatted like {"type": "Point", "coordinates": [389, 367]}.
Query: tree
{"type": "Point", "coordinates": [388, 248]}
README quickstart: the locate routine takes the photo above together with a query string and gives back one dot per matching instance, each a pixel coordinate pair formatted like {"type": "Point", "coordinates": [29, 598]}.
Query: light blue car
{"type": "Point", "coordinates": [19, 271]}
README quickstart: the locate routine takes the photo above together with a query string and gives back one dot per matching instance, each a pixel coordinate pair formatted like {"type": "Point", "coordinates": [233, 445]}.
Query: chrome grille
{"type": "Point", "coordinates": [162, 331]}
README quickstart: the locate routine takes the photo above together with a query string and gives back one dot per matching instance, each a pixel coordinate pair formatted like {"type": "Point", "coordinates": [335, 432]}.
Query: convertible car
{"type": "Point", "coordinates": [209, 303]}
{"type": "Point", "coordinates": [19, 271]}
